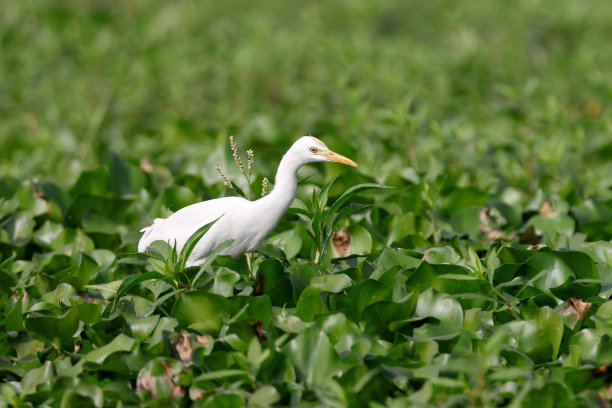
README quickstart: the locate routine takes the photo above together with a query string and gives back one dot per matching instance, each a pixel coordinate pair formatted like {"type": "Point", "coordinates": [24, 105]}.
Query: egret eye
{"type": "Point", "coordinates": [313, 149]}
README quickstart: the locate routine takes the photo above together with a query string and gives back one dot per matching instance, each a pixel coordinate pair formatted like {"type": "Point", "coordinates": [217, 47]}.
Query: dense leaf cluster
{"type": "Point", "coordinates": [470, 320]}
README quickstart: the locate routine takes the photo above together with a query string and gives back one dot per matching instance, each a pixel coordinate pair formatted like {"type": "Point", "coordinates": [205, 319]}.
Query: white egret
{"type": "Point", "coordinates": [246, 222]}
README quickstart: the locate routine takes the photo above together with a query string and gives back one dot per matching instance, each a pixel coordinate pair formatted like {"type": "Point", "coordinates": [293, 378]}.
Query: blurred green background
{"type": "Point", "coordinates": [507, 93]}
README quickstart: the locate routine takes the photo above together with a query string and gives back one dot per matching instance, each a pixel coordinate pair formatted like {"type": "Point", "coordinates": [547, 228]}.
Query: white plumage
{"type": "Point", "coordinates": [248, 223]}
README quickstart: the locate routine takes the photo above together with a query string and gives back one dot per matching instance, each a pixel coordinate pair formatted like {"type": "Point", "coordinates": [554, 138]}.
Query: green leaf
{"type": "Point", "coordinates": [41, 375]}
{"type": "Point", "coordinates": [382, 314]}
{"type": "Point", "coordinates": [192, 242]}
{"type": "Point", "coordinates": [359, 296]}
{"type": "Point", "coordinates": [201, 311]}
{"type": "Point", "coordinates": [225, 279]}
{"type": "Point", "coordinates": [331, 283]}
{"type": "Point", "coordinates": [348, 194]}
{"type": "Point", "coordinates": [451, 279]}
{"type": "Point", "coordinates": [313, 356]}
{"type": "Point", "coordinates": [141, 328]}
{"type": "Point", "coordinates": [265, 396]}
{"type": "Point", "coordinates": [121, 343]}
{"type": "Point", "coordinates": [462, 198]}
{"type": "Point", "coordinates": [540, 336]}
{"type": "Point", "coordinates": [53, 329]}
{"type": "Point", "coordinates": [157, 381]}
{"type": "Point", "coordinates": [275, 282]}
{"type": "Point", "coordinates": [210, 259]}
{"type": "Point", "coordinates": [440, 306]}
{"type": "Point", "coordinates": [20, 227]}
{"type": "Point", "coordinates": [107, 290]}
{"type": "Point", "coordinates": [550, 395]}
{"type": "Point", "coordinates": [310, 304]}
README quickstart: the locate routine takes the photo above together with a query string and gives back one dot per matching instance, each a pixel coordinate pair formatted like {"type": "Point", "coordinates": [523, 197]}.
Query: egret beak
{"type": "Point", "coordinates": [332, 156]}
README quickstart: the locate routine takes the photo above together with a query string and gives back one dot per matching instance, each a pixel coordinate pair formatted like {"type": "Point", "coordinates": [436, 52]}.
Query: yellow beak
{"type": "Point", "coordinates": [332, 156]}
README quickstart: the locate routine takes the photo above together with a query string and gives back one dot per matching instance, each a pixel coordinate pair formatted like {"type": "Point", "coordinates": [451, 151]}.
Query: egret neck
{"type": "Point", "coordinates": [285, 187]}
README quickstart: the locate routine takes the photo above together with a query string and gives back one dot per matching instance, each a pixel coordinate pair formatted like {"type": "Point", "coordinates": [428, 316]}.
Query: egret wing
{"type": "Point", "coordinates": [177, 228]}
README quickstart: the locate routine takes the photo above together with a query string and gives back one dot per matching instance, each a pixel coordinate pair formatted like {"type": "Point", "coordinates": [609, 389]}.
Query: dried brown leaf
{"type": "Point", "coordinates": [577, 306]}
{"type": "Point", "coordinates": [177, 391]}
{"type": "Point", "coordinates": [202, 339]}
{"type": "Point", "coordinates": [183, 348]}
{"type": "Point", "coordinates": [146, 166]}
{"type": "Point", "coordinates": [258, 328]}
{"type": "Point", "coordinates": [145, 382]}
{"type": "Point", "coordinates": [196, 394]}
{"type": "Point", "coordinates": [546, 210]}
{"type": "Point", "coordinates": [483, 215]}
{"type": "Point", "coordinates": [530, 236]}
{"type": "Point", "coordinates": [341, 242]}
{"type": "Point", "coordinates": [259, 286]}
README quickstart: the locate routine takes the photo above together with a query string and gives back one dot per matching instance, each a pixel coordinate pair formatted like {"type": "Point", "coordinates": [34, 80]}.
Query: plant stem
{"type": "Point", "coordinates": [249, 258]}
{"type": "Point", "coordinates": [507, 302]}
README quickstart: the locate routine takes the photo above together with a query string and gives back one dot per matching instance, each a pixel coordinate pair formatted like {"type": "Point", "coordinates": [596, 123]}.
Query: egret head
{"type": "Point", "coordinates": [310, 149]}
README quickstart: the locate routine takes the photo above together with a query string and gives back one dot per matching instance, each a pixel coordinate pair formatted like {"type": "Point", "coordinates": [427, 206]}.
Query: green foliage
{"type": "Point", "coordinates": [481, 275]}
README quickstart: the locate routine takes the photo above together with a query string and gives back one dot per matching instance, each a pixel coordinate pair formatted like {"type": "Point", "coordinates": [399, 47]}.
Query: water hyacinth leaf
{"type": "Point", "coordinates": [286, 321]}
{"type": "Point", "coordinates": [381, 314]}
{"type": "Point", "coordinates": [452, 279]}
{"type": "Point", "coordinates": [289, 242]}
{"type": "Point", "coordinates": [157, 381]}
{"type": "Point", "coordinates": [447, 310]}
{"type": "Point", "coordinates": [463, 198]}
{"type": "Point", "coordinates": [92, 182]}
{"type": "Point", "coordinates": [53, 329]}
{"type": "Point", "coordinates": [604, 315]}
{"type": "Point", "coordinates": [165, 324]}
{"type": "Point", "coordinates": [301, 274]}
{"type": "Point", "coordinates": [177, 197]}
{"type": "Point", "coordinates": [118, 344]}
{"type": "Point", "coordinates": [468, 220]}
{"type": "Point", "coordinates": [224, 401]}
{"type": "Point", "coordinates": [7, 281]}
{"type": "Point", "coordinates": [225, 279]}
{"type": "Point", "coordinates": [107, 290]}
{"type": "Point", "coordinates": [331, 283]}
{"type": "Point", "coordinates": [47, 234]}
{"type": "Point", "coordinates": [401, 226]}
{"type": "Point", "coordinates": [209, 260]}
{"type": "Point", "coordinates": [90, 312]}
{"type": "Point", "coordinates": [392, 257]}
{"type": "Point", "coordinates": [592, 346]}
{"type": "Point", "coordinates": [141, 328]}
{"type": "Point", "coordinates": [251, 310]}
{"type": "Point", "coordinates": [96, 223]}
{"type": "Point", "coordinates": [552, 394]}
{"type": "Point", "coordinates": [549, 226]}
{"type": "Point", "coordinates": [313, 356]}
{"type": "Point", "coordinates": [540, 336]}
{"type": "Point", "coordinates": [264, 397]}
{"type": "Point", "coordinates": [82, 394]}
{"type": "Point", "coordinates": [40, 375]}
{"type": "Point", "coordinates": [274, 282]}
{"type": "Point", "coordinates": [364, 293]}
{"type": "Point", "coordinates": [20, 227]}
{"type": "Point", "coordinates": [312, 302]}
{"type": "Point", "coordinates": [201, 310]}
